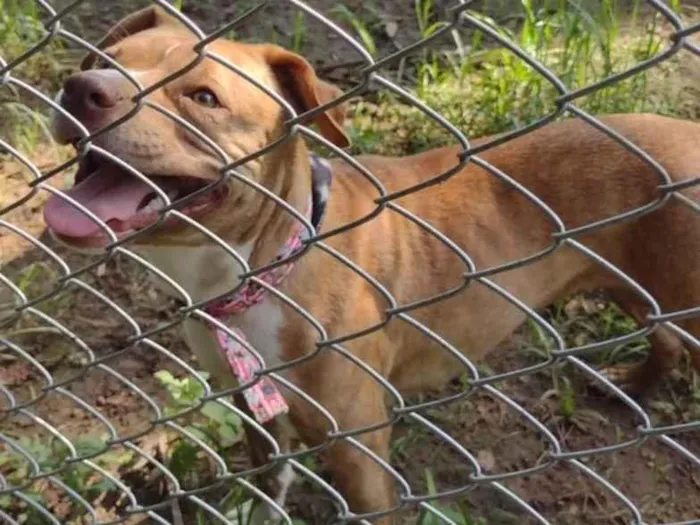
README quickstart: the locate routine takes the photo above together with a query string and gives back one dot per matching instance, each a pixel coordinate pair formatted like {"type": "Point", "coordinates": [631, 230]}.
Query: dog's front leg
{"type": "Point", "coordinates": [276, 481]}
{"type": "Point", "coordinates": [356, 401]}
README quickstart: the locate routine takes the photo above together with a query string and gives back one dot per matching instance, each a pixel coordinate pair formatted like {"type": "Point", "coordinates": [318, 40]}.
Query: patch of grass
{"type": "Point", "coordinates": [221, 429]}
{"type": "Point", "coordinates": [299, 33]}
{"type": "Point", "coordinates": [296, 40]}
{"type": "Point", "coordinates": [36, 279]}
{"type": "Point", "coordinates": [364, 26]}
{"type": "Point", "coordinates": [486, 89]}
{"type": "Point", "coordinates": [580, 320]}
{"type": "Point", "coordinates": [213, 423]}
{"type": "Point", "coordinates": [431, 65]}
{"type": "Point", "coordinates": [21, 28]}
{"type": "Point", "coordinates": [21, 118]}
{"type": "Point", "coordinates": [51, 453]}
{"type": "Point", "coordinates": [221, 426]}
{"type": "Point", "coordinates": [584, 319]}
{"type": "Point", "coordinates": [458, 512]}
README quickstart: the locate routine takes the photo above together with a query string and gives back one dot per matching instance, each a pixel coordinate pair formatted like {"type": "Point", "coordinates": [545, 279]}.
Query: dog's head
{"type": "Point", "coordinates": [237, 115]}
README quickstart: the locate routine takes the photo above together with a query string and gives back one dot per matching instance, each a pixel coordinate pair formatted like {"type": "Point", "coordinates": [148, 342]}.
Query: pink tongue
{"type": "Point", "coordinates": [109, 193]}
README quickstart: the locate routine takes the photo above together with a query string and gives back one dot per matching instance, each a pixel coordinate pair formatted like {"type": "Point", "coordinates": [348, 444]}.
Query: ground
{"type": "Point", "coordinates": [660, 481]}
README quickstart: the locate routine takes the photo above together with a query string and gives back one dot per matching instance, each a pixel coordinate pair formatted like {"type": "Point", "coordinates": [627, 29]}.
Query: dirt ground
{"type": "Point", "coordinates": [664, 484]}
{"type": "Point", "coordinates": [660, 481]}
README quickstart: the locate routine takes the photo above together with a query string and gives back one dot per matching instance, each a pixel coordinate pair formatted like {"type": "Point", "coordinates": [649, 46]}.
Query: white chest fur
{"type": "Point", "coordinates": [205, 272]}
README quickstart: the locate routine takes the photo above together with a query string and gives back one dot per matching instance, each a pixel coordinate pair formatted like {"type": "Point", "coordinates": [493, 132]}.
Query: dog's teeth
{"type": "Point", "coordinates": [155, 204]}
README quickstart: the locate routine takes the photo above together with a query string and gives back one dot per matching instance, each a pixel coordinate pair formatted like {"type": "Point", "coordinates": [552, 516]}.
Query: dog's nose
{"type": "Point", "coordinates": [89, 94]}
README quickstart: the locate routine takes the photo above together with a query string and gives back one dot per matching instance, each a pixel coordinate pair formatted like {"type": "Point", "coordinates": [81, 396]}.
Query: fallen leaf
{"type": "Point", "coordinates": [486, 459]}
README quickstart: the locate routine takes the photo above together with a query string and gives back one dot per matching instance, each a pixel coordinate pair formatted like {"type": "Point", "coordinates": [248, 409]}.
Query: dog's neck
{"type": "Point", "coordinates": [261, 228]}
{"type": "Point", "coordinates": [288, 175]}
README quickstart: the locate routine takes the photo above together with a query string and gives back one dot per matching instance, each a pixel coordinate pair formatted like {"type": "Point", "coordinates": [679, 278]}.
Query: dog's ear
{"type": "Point", "coordinates": [146, 18]}
{"type": "Point", "coordinates": [305, 91]}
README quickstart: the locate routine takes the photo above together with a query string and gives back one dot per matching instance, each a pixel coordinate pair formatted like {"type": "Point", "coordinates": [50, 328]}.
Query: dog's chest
{"type": "Point", "coordinates": [260, 325]}
{"type": "Point", "coordinates": [206, 273]}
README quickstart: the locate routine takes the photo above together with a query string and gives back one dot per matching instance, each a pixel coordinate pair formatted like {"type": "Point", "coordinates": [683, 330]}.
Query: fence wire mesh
{"type": "Point", "coordinates": [154, 463]}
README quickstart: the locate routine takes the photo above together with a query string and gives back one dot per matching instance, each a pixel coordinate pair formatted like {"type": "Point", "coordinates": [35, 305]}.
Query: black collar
{"type": "Point", "coordinates": [321, 179]}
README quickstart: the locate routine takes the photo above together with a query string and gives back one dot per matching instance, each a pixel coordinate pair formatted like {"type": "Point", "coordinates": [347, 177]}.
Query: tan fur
{"type": "Point", "coordinates": [578, 171]}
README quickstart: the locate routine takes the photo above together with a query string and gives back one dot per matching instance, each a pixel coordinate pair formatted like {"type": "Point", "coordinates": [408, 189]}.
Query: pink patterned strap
{"type": "Point", "coordinates": [264, 399]}
{"type": "Point", "coordinates": [251, 293]}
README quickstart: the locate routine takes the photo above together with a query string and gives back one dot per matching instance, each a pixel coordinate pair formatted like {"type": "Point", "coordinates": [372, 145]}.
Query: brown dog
{"type": "Point", "coordinates": [582, 174]}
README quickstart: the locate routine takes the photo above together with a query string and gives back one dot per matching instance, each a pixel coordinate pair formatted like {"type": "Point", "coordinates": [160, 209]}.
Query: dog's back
{"type": "Point", "coordinates": [584, 177]}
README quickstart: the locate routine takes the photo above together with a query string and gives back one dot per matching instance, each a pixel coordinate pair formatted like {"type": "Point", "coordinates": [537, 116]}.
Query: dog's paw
{"type": "Point", "coordinates": [624, 376]}
{"type": "Point", "coordinates": [259, 513]}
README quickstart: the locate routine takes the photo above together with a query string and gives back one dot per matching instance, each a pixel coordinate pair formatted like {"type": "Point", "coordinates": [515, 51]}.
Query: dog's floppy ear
{"type": "Point", "coordinates": [146, 18]}
{"type": "Point", "coordinates": [306, 91]}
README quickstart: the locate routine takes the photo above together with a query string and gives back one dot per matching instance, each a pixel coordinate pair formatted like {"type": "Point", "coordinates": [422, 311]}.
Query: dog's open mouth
{"type": "Point", "coordinates": [122, 200]}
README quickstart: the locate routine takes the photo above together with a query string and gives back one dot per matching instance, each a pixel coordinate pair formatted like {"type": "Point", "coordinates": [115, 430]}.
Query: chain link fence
{"type": "Point", "coordinates": [55, 378]}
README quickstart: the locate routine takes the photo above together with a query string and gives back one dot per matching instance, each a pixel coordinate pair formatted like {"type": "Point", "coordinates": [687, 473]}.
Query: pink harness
{"type": "Point", "coordinates": [263, 398]}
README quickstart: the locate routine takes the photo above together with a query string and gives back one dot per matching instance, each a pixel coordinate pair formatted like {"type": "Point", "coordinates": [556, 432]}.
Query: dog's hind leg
{"type": "Point", "coordinates": [692, 326]}
{"type": "Point", "coordinates": [665, 354]}
{"type": "Point", "coordinates": [660, 253]}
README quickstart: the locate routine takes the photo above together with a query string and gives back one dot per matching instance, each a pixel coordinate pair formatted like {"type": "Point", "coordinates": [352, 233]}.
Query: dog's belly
{"type": "Point", "coordinates": [479, 318]}
{"type": "Point", "coordinates": [425, 364]}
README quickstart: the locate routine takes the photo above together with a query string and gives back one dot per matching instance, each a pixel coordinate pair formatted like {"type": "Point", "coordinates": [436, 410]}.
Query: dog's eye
{"type": "Point", "coordinates": [102, 63]}
{"type": "Point", "coordinates": [205, 97]}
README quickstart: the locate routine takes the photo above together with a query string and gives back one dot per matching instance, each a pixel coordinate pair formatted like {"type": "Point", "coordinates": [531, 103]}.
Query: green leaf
{"type": "Point", "coordinates": [186, 391]}
{"type": "Point", "coordinates": [359, 26]}
{"type": "Point", "coordinates": [183, 459]}
{"type": "Point", "coordinates": [228, 436]}
{"type": "Point", "coordinates": [165, 377]}
{"type": "Point", "coordinates": [215, 411]}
